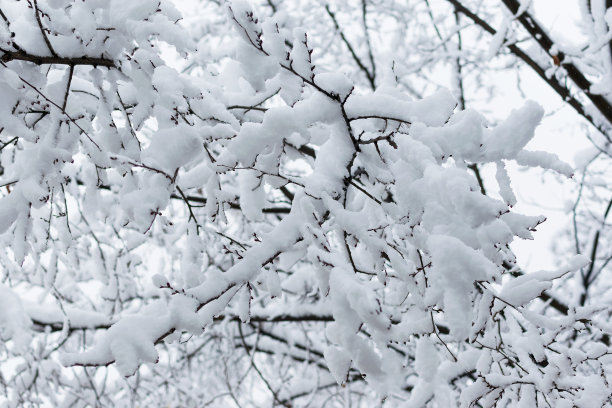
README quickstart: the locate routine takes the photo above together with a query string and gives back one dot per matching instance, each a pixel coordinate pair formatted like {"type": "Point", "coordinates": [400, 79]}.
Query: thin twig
{"type": "Point", "coordinates": [42, 29]}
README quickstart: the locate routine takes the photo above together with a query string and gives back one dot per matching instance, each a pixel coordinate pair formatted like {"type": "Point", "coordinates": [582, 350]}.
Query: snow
{"type": "Point", "coordinates": [426, 359]}
{"type": "Point", "coordinates": [433, 110]}
{"type": "Point", "coordinates": [128, 343]}
{"type": "Point", "coordinates": [249, 215]}
{"type": "Point", "coordinates": [77, 318]}
{"type": "Point", "coordinates": [338, 362]}
{"type": "Point", "coordinates": [172, 148]}
{"type": "Point", "coordinates": [14, 320]}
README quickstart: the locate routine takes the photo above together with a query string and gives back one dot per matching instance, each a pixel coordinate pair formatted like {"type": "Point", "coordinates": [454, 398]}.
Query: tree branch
{"type": "Point", "coordinates": [45, 60]}
{"type": "Point", "coordinates": [369, 75]}
{"type": "Point", "coordinates": [547, 44]}
{"type": "Point", "coordinates": [42, 29]}
{"type": "Point", "coordinates": [560, 89]}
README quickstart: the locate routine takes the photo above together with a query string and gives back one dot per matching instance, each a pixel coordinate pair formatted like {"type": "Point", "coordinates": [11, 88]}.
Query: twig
{"type": "Point", "coordinates": [369, 75]}
{"type": "Point", "coordinates": [42, 29]}
{"type": "Point", "coordinates": [57, 106]}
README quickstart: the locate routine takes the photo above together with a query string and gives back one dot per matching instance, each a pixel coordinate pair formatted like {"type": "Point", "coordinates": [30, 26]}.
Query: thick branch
{"type": "Point", "coordinates": [44, 60]}
{"type": "Point", "coordinates": [57, 325]}
{"type": "Point", "coordinates": [560, 89]}
{"type": "Point", "coordinates": [547, 44]}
